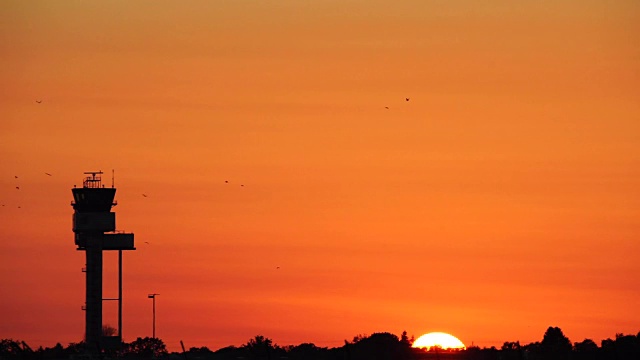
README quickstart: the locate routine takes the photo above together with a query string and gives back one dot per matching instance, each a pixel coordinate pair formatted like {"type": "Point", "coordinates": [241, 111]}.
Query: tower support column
{"type": "Point", "coordinates": [120, 294]}
{"type": "Point", "coordinates": [93, 316]}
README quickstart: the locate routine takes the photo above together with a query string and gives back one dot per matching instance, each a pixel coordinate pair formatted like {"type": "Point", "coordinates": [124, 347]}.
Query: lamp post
{"type": "Point", "coordinates": [153, 296]}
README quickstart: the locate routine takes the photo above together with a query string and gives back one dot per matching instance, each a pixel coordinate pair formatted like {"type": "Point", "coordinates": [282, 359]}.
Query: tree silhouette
{"type": "Point", "coordinates": [511, 351]}
{"type": "Point", "coordinates": [555, 345]}
{"type": "Point", "coordinates": [229, 352]}
{"type": "Point", "coordinates": [380, 346]}
{"type": "Point", "coordinates": [585, 350]}
{"type": "Point", "coordinates": [259, 347]}
{"type": "Point", "coordinates": [199, 353]}
{"type": "Point", "coordinates": [9, 348]}
{"type": "Point", "coordinates": [108, 330]}
{"type": "Point", "coordinates": [404, 339]}
{"type": "Point", "coordinates": [305, 351]}
{"type": "Point", "coordinates": [56, 352]}
{"type": "Point", "coordinates": [145, 348]}
{"type": "Point", "coordinates": [627, 347]}
{"type": "Point", "coordinates": [74, 349]}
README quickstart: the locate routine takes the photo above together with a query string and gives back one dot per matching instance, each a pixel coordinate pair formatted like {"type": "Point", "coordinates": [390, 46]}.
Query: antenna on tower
{"type": "Point", "coordinates": [113, 177]}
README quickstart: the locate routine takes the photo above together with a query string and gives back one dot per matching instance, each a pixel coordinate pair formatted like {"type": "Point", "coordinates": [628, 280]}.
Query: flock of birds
{"type": "Point", "coordinates": [386, 107]}
{"type": "Point", "coordinates": [18, 186]}
{"type": "Point", "coordinates": [226, 182]}
{"type": "Point", "coordinates": [39, 101]}
{"type": "Point", "coordinates": [49, 174]}
{"type": "Point", "coordinates": [405, 99]}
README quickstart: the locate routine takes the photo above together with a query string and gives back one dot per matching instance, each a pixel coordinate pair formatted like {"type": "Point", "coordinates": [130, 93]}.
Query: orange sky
{"type": "Point", "coordinates": [503, 198]}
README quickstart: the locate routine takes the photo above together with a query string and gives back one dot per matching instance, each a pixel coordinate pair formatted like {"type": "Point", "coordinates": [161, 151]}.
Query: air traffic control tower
{"type": "Point", "coordinates": [94, 225]}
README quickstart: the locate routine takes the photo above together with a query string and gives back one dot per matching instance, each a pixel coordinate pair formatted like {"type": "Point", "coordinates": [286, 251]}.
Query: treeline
{"type": "Point", "coordinates": [378, 346]}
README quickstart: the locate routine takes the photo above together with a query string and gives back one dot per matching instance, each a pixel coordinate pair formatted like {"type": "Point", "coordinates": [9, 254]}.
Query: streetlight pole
{"type": "Point", "coordinates": [153, 296]}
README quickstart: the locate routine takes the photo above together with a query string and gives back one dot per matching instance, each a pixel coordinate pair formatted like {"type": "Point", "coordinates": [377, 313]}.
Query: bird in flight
{"type": "Point", "coordinates": [406, 99]}
{"type": "Point", "coordinates": [48, 174]}
{"type": "Point", "coordinates": [17, 187]}
{"type": "Point", "coordinates": [144, 195]}
{"type": "Point", "coordinates": [146, 242]}
{"type": "Point", "coordinates": [226, 181]}
{"type": "Point", "coordinates": [39, 101]}
{"type": "Point", "coordinates": [277, 267]}
{"type": "Point", "coordinates": [386, 107]}
{"type": "Point", "coordinates": [15, 176]}
{"type": "Point", "coordinates": [242, 185]}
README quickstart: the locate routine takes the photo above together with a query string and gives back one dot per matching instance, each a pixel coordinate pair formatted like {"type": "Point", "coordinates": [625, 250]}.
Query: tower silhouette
{"type": "Point", "coordinates": [94, 226]}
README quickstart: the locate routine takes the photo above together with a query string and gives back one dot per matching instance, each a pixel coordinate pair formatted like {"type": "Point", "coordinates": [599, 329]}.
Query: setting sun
{"type": "Point", "coordinates": [440, 339]}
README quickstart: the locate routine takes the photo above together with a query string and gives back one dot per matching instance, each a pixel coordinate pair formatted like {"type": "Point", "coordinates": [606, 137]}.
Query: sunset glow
{"type": "Point", "coordinates": [439, 339]}
{"type": "Point", "coordinates": [314, 170]}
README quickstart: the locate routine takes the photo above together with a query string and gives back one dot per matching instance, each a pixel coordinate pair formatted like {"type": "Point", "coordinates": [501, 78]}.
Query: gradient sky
{"type": "Point", "coordinates": [502, 199]}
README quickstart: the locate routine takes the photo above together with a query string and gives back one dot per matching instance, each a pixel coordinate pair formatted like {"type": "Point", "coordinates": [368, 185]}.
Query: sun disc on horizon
{"type": "Point", "coordinates": [440, 339]}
